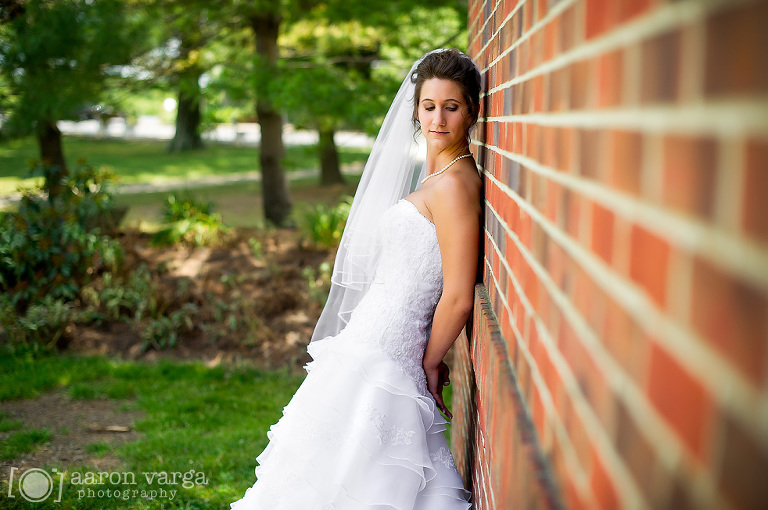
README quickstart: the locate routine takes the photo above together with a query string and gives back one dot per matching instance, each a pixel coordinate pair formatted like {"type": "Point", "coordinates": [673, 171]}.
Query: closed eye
{"type": "Point", "coordinates": [450, 108]}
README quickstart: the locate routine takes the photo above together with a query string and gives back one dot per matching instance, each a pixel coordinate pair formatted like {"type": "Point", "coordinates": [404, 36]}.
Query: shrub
{"type": "Point", "coordinates": [126, 299]}
{"type": "Point", "coordinates": [40, 328]}
{"type": "Point", "coordinates": [323, 225]}
{"type": "Point", "coordinates": [190, 222]}
{"type": "Point", "coordinates": [50, 246]}
{"type": "Point", "coordinates": [164, 331]}
{"type": "Point", "coordinates": [319, 282]}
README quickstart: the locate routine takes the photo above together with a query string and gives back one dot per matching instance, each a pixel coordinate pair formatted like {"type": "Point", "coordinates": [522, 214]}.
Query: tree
{"type": "Point", "coordinates": [327, 68]}
{"type": "Point", "coordinates": [342, 65]}
{"type": "Point", "coordinates": [187, 77]}
{"type": "Point", "coordinates": [264, 18]}
{"type": "Point", "coordinates": [56, 57]}
{"type": "Point", "coordinates": [187, 28]}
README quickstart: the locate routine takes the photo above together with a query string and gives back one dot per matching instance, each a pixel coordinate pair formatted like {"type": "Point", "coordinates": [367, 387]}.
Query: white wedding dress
{"type": "Point", "coordinates": [362, 431]}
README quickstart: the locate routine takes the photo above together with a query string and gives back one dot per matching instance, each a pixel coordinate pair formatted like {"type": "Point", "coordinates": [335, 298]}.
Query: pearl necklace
{"type": "Point", "coordinates": [446, 167]}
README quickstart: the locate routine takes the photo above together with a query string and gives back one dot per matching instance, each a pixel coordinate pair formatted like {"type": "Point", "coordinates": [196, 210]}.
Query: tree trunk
{"type": "Point", "coordinates": [277, 201]}
{"type": "Point", "coordinates": [187, 136]}
{"type": "Point", "coordinates": [330, 172]}
{"type": "Point", "coordinates": [52, 157]}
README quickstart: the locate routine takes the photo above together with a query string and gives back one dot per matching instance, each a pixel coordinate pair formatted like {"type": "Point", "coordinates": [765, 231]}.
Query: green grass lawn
{"type": "Point", "coordinates": [210, 420]}
{"type": "Point", "coordinates": [148, 162]}
{"type": "Point", "coordinates": [239, 204]}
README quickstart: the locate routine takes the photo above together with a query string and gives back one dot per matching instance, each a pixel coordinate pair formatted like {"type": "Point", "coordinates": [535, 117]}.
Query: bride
{"type": "Point", "coordinates": [364, 430]}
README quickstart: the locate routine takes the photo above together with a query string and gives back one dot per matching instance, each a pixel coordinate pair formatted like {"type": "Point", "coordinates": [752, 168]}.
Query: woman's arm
{"type": "Point", "coordinates": [455, 208]}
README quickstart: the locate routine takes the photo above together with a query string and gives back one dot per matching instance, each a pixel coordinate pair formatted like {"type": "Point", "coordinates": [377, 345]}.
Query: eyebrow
{"type": "Point", "coordinates": [449, 99]}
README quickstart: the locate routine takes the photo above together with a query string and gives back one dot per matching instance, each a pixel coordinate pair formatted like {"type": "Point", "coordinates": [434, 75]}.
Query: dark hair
{"type": "Point", "coordinates": [452, 65]}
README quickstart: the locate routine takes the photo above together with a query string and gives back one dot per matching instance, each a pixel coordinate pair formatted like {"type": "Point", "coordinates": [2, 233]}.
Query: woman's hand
{"type": "Point", "coordinates": [438, 377]}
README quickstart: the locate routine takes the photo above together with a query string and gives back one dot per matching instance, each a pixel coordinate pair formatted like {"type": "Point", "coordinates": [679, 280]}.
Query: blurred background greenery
{"type": "Point", "coordinates": [175, 176]}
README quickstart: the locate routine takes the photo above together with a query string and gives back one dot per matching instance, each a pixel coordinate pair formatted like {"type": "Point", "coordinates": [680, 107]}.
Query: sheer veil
{"type": "Point", "coordinates": [391, 173]}
{"type": "Point", "coordinates": [394, 169]}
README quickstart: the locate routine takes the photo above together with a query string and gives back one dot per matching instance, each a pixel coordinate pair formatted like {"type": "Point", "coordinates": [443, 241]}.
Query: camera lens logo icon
{"type": "Point", "coordinates": [35, 485]}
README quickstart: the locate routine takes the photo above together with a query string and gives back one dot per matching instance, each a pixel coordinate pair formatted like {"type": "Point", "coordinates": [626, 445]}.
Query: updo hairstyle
{"type": "Point", "coordinates": [450, 64]}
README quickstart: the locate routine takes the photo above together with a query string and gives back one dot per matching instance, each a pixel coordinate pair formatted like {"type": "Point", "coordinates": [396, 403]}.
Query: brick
{"type": "Point", "coordinates": [754, 214]}
{"type": "Point", "coordinates": [555, 264]}
{"type": "Point", "coordinates": [567, 26]}
{"type": "Point", "coordinates": [571, 208]}
{"type": "Point", "coordinates": [538, 94]}
{"type": "Point", "coordinates": [600, 17]}
{"type": "Point", "coordinates": [625, 149]}
{"type": "Point", "coordinates": [629, 9]}
{"type": "Point", "coordinates": [660, 64]}
{"type": "Point", "coordinates": [527, 106]}
{"type": "Point", "coordinates": [634, 448]}
{"type": "Point", "coordinates": [527, 15]}
{"type": "Point", "coordinates": [744, 465]}
{"type": "Point", "coordinates": [680, 496]}
{"type": "Point", "coordinates": [549, 150]}
{"type": "Point", "coordinates": [591, 379]}
{"type": "Point", "coordinates": [537, 49]}
{"type": "Point", "coordinates": [602, 485]}
{"type": "Point", "coordinates": [573, 496]}
{"type": "Point", "coordinates": [577, 434]}
{"type": "Point", "coordinates": [591, 153]}
{"type": "Point", "coordinates": [649, 261]}
{"type": "Point", "coordinates": [602, 232]}
{"type": "Point", "coordinates": [682, 400]}
{"type": "Point", "coordinates": [581, 296]}
{"type": "Point", "coordinates": [609, 79]}
{"type": "Point", "coordinates": [538, 191]}
{"type": "Point", "coordinates": [690, 166]}
{"type": "Point", "coordinates": [621, 336]}
{"type": "Point", "coordinates": [732, 316]}
{"type": "Point", "coordinates": [736, 50]}
{"type": "Point", "coordinates": [553, 201]}
{"type": "Point", "coordinates": [539, 239]}
{"type": "Point", "coordinates": [581, 84]}
{"type": "Point", "coordinates": [566, 150]}
{"type": "Point", "coordinates": [551, 33]}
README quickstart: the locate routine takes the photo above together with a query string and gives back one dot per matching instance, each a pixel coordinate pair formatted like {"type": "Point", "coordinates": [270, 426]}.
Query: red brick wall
{"type": "Point", "coordinates": [618, 356]}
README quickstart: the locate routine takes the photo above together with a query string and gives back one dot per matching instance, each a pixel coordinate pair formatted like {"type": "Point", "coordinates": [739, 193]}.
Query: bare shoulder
{"type": "Point", "coordinates": [457, 193]}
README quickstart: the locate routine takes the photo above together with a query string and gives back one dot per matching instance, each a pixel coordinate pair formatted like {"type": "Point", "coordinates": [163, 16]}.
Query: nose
{"type": "Point", "coordinates": [439, 117]}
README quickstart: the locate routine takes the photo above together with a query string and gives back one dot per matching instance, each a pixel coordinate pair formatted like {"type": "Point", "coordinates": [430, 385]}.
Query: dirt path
{"type": "Point", "coordinates": [74, 425]}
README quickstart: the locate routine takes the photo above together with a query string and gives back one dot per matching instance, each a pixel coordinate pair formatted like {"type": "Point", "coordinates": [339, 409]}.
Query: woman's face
{"type": "Point", "coordinates": [443, 114]}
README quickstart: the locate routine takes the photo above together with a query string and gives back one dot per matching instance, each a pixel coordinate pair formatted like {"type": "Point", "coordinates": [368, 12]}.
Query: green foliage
{"type": "Point", "coordinates": [40, 328]}
{"type": "Point", "coordinates": [164, 331]}
{"type": "Point", "coordinates": [136, 299]}
{"type": "Point", "coordinates": [190, 222]}
{"type": "Point", "coordinates": [55, 58]}
{"type": "Point", "coordinates": [323, 225]}
{"type": "Point", "coordinates": [8, 425]}
{"type": "Point", "coordinates": [52, 247]}
{"type": "Point", "coordinates": [22, 442]}
{"type": "Point", "coordinates": [132, 297]}
{"type": "Point", "coordinates": [181, 207]}
{"type": "Point", "coordinates": [319, 282]}
{"type": "Point", "coordinates": [98, 449]}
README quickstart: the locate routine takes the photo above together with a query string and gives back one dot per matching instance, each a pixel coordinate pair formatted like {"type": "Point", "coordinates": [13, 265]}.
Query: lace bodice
{"type": "Point", "coordinates": [397, 311]}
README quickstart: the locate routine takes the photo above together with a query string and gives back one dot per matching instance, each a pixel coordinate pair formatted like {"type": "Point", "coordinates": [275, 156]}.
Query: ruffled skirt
{"type": "Point", "coordinates": [356, 435]}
